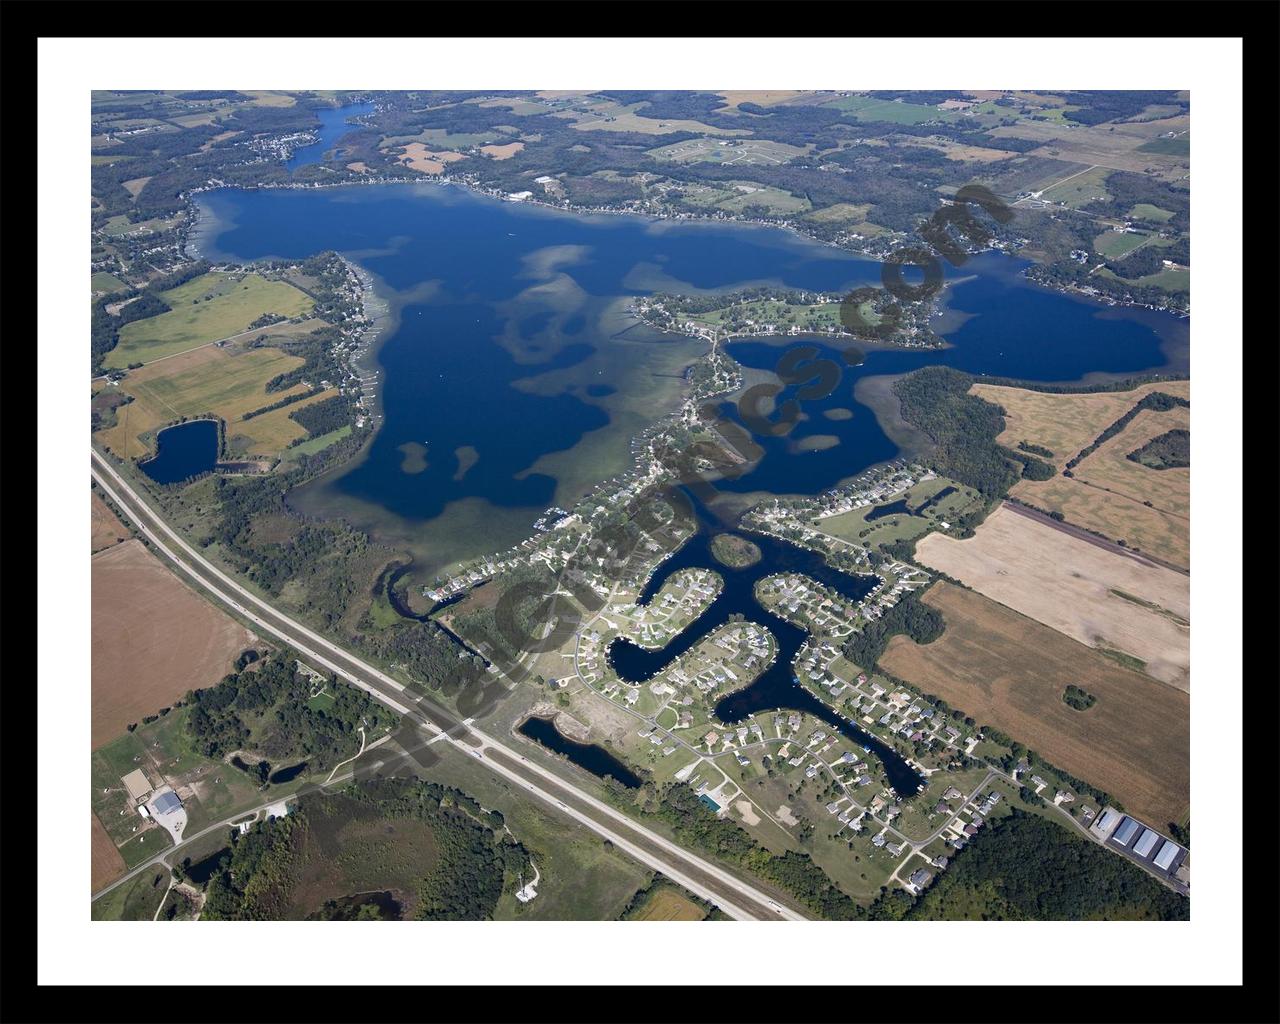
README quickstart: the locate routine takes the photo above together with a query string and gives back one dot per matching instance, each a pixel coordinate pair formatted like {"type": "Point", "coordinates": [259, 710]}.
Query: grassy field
{"type": "Point", "coordinates": [1145, 211]}
{"type": "Point", "coordinates": [318, 444]}
{"type": "Point", "coordinates": [1113, 244]}
{"type": "Point", "coordinates": [728, 152]}
{"type": "Point", "coordinates": [1074, 587]}
{"type": "Point", "coordinates": [153, 639]}
{"type": "Point", "coordinates": [212, 380]}
{"type": "Point", "coordinates": [1009, 671]}
{"type": "Point", "coordinates": [135, 900]}
{"type": "Point", "coordinates": [108, 283]}
{"type": "Point", "coordinates": [210, 308]}
{"type": "Point", "coordinates": [866, 108]}
{"type": "Point", "coordinates": [272, 432]}
{"type": "Point", "coordinates": [1081, 189]}
{"type": "Point", "coordinates": [854, 527]}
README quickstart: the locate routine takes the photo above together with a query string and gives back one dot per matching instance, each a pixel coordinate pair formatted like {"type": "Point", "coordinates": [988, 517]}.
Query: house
{"type": "Point", "coordinates": [920, 878]}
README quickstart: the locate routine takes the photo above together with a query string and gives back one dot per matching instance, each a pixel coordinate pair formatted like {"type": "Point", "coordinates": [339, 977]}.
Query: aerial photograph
{"type": "Point", "coordinates": [607, 505]}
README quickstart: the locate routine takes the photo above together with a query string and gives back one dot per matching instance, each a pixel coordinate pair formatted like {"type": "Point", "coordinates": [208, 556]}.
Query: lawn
{"type": "Point", "coordinates": [1145, 211]}
{"type": "Point", "coordinates": [1113, 244]}
{"type": "Point", "coordinates": [210, 308]}
{"type": "Point", "coordinates": [854, 527]}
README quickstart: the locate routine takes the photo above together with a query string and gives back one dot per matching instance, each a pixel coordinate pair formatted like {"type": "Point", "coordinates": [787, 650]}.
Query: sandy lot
{"type": "Point", "coordinates": [1071, 585]}
{"type": "Point", "coordinates": [153, 639]}
{"type": "Point", "coordinates": [1010, 671]}
{"type": "Point", "coordinates": [105, 862]}
{"type": "Point", "coordinates": [105, 528]}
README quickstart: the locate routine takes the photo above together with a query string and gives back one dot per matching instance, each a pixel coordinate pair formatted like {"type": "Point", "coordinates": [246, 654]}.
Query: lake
{"type": "Point", "coordinates": [593, 758]}
{"type": "Point", "coordinates": [183, 451]}
{"type": "Point", "coordinates": [512, 378]}
{"type": "Point", "coordinates": [333, 125]}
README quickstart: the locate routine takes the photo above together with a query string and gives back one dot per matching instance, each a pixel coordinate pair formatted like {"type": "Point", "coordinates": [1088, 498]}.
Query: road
{"type": "Point", "coordinates": [734, 896]}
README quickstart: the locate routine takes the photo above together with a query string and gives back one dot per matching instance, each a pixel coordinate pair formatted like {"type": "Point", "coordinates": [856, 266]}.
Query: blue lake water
{"type": "Point", "coordinates": [183, 451]}
{"type": "Point", "coordinates": [510, 361]}
{"type": "Point", "coordinates": [509, 344]}
{"type": "Point", "coordinates": [593, 758]}
{"type": "Point", "coordinates": [333, 125]}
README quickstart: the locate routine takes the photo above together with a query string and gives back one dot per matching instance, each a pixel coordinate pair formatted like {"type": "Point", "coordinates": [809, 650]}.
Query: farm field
{"type": "Point", "coordinates": [1075, 587]}
{"type": "Point", "coordinates": [868, 108]}
{"type": "Point", "coordinates": [1169, 490]}
{"type": "Point", "coordinates": [1116, 516]}
{"type": "Point", "coordinates": [1009, 671]}
{"type": "Point", "coordinates": [217, 381]}
{"type": "Point", "coordinates": [210, 308]}
{"type": "Point", "coordinates": [1080, 189]}
{"type": "Point", "coordinates": [105, 527]}
{"type": "Point", "coordinates": [271, 432]}
{"type": "Point", "coordinates": [105, 862]}
{"type": "Point", "coordinates": [104, 282]}
{"type": "Point", "coordinates": [1065, 424]}
{"type": "Point", "coordinates": [152, 639]}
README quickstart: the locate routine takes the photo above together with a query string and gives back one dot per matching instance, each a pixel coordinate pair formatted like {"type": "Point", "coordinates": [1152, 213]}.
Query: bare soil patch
{"type": "Point", "coordinates": [1010, 671]}
{"type": "Point", "coordinates": [105, 862]}
{"type": "Point", "coordinates": [1075, 587]}
{"type": "Point", "coordinates": [153, 639]}
{"type": "Point", "coordinates": [417, 156]}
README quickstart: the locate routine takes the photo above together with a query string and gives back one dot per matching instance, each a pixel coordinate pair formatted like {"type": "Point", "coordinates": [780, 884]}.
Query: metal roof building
{"type": "Point", "coordinates": [1107, 819]}
{"type": "Point", "coordinates": [166, 803]}
{"type": "Point", "coordinates": [1167, 852]}
{"type": "Point", "coordinates": [1147, 843]}
{"type": "Point", "coordinates": [1125, 832]}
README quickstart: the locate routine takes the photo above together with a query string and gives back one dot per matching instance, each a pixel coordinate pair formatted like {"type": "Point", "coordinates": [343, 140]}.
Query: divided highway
{"type": "Point", "coordinates": [737, 898]}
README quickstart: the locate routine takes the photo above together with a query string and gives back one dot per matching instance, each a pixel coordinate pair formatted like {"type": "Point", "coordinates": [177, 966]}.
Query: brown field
{"type": "Point", "coordinates": [1008, 671]}
{"type": "Point", "coordinates": [1065, 424]}
{"type": "Point", "coordinates": [105, 527]}
{"type": "Point", "coordinates": [1157, 533]}
{"type": "Point", "coordinates": [271, 432]}
{"type": "Point", "coordinates": [1069, 584]}
{"type": "Point", "coordinates": [417, 156]}
{"type": "Point", "coordinates": [762, 97]}
{"type": "Point", "coordinates": [668, 905]}
{"type": "Point", "coordinates": [153, 639]}
{"type": "Point", "coordinates": [135, 185]}
{"type": "Point", "coordinates": [1169, 490]}
{"type": "Point", "coordinates": [360, 167]}
{"type": "Point", "coordinates": [505, 152]}
{"type": "Point", "coordinates": [105, 862]}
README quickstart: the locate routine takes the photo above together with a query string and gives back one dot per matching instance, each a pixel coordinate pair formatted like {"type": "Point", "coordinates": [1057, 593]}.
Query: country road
{"type": "Point", "coordinates": [737, 898]}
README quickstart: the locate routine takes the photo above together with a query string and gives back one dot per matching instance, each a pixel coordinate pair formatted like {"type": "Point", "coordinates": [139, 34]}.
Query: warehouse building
{"type": "Point", "coordinates": [1126, 831]}
{"type": "Point", "coordinates": [1147, 843]}
{"type": "Point", "coordinates": [1165, 858]}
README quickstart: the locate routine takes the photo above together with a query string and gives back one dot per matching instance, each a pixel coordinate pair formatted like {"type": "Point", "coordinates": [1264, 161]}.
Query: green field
{"type": "Point", "coordinates": [1179, 146]}
{"type": "Point", "coordinates": [317, 444]}
{"type": "Point", "coordinates": [1145, 211]}
{"type": "Point", "coordinates": [728, 151]}
{"type": "Point", "coordinates": [865, 108]}
{"type": "Point", "coordinates": [1080, 189]}
{"type": "Point", "coordinates": [854, 527]}
{"type": "Point", "coordinates": [210, 308]}
{"type": "Point", "coordinates": [104, 282]}
{"type": "Point", "coordinates": [1113, 244]}
{"type": "Point", "coordinates": [135, 900]}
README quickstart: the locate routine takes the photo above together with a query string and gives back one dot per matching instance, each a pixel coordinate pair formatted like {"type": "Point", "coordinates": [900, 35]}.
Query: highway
{"type": "Point", "coordinates": [707, 880]}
